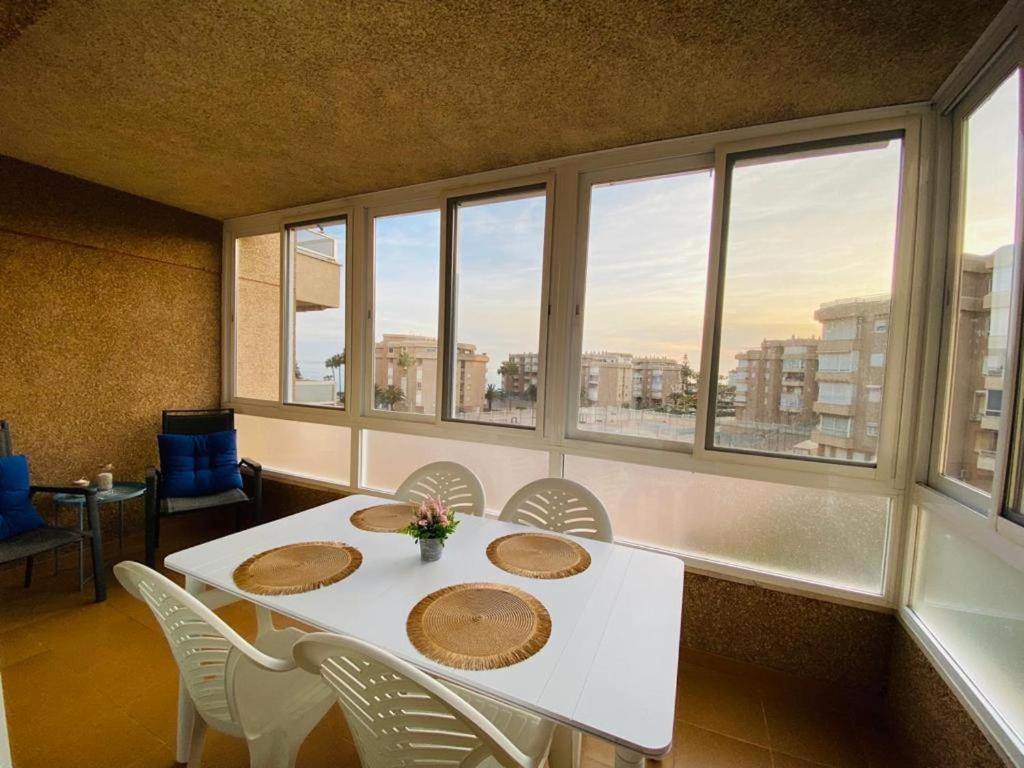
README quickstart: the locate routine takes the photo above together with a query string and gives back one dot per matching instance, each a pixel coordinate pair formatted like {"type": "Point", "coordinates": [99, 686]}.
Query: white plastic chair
{"type": "Point", "coordinates": [558, 505]}
{"type": "Point", "coordinates": [400, 716]}
{"type": "Point", "coordinates": [257, 694]}
{"type": "Point", "coordinates": [457, 486]}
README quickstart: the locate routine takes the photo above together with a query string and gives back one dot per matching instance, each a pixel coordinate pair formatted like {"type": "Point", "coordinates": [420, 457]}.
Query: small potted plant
{"type": "Point", "coordinates": [433, 524]}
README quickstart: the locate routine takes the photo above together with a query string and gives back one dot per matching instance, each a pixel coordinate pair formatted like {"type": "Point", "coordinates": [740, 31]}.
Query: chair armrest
{"type": "Point", "coordinates": [153, 472]}
{"type": "Point", "coordinates": [251, 465]}
{"type": "Point", "coordinates": [75, 489]}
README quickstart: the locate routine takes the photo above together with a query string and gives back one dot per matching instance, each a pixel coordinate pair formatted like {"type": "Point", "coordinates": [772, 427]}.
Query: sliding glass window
{"type": "Point", "coordinates": [643, 307]}
{"type": "Point", "coordinates": [496, 278]}
{"type": "Point", "coordinates": [316, 305]}
{"type": "Point", "coordinates": [806, 275]}
{"type": "Point", "coordinates": [406, 275]}
{"type": "Point", "coordinates": [986, 250]}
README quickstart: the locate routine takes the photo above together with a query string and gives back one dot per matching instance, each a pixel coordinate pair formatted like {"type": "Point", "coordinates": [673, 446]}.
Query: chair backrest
{"type": "Point", "coordinates": [198, 422]}
{"type": "Point", "coordinates": [561, 506]}
{"type": "Point", "coordinates": [457, 486]}
{"type": "Point", "coordinates": [6, 446]}
{"type": "Point", "coordinates": [205, 648]}
{"type": "Point", "coordinates": [398, 715]}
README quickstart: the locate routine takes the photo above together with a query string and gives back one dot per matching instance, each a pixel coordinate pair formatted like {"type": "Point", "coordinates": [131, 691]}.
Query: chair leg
{"type": "Point", "coordinates": [28, 572]}
{"type": "Point", "coordinates": [99, 583]}
{"type": "Point", "coordinates": [195, 742]}
{"type": "Point", "coordinates": [273, 750]}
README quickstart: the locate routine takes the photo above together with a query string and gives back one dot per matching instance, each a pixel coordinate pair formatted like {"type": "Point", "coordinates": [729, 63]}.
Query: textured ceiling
{"type": "Point", "coordinates": [227, 108]}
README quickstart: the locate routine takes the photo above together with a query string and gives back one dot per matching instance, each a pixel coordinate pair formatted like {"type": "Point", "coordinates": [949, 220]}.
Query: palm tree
{"type": "Point", "coordinates": [531, 393]}
{"type": "Point", "coordinates": [489, 395]}
{"type": "Point", "coordinates": [334, 364]}
{"type": "Point", "coordinates": [392, 396]}
{"type": "Point", "coordinates": [507, 370]}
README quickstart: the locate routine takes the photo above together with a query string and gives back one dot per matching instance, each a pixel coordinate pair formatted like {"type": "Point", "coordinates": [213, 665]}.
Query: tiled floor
{"type": "Point", "coordinates": [94, 685]}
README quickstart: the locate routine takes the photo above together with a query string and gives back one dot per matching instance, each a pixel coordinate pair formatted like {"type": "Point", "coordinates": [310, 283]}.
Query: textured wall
{"type": "Point", "coordinates": [926, 716]}
{"type": "Point", "coordinates": [812, 638]}
{"type": "Point", "coordinates": [233, 108]}
{"type": "Point", "coordinates": [110, 312]}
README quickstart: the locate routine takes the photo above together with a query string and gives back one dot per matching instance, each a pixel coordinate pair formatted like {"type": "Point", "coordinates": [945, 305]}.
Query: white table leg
{"type": "Point", "coordinates": [627, 758]}
{"type": "Point", "coordinates": [186, 710]}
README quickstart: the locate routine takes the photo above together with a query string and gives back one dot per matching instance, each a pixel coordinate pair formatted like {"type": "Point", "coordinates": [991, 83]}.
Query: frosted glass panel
{"type": "Point", "coordinates": [973, 603]}
{"type": "Point", "coordinates": [830, 537]}
{"type": "Point", "coordinates": [319, 451]}
{"type": "Point", "coordinates": [389, 457]}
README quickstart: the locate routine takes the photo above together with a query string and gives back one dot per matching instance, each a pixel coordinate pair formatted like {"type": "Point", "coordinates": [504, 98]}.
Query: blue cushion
{"type": "Point", "coordinates": [199, 465]}
{"type": "Point", "coordinates": [17, 514]}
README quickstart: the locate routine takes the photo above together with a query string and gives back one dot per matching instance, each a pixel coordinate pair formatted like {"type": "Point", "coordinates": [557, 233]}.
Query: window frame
{"type": "Point", "coordinates": [421, 205]}
{"type": "Point", "coordinates": [587, 181]}
{"type": "Point", "coordinates": [639, 161]}
{"type": "Point", "coordinates": [985, 505]}
{"type": "Point", "coordinates": [907, 277]}
{"type": "Point", "coordinates": [288, 307]}
{"type": "Point", "coordinates": [545, 183]}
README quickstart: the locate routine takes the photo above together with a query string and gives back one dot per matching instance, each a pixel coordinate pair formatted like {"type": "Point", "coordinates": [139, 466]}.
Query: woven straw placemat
{"type": "Point", "coordinates": [296, 568]}
{"type": "Point", "coordinates": [538, 555]}
{"type": "Point", "coordinates": [479, 626]}
{"type": "Point", "coordinates": [384, 518]}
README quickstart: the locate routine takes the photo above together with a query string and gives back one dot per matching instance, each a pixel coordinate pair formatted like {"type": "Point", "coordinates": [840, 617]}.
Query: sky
{"type": "Point", "coordinates": [990, 186]}
{"type": "Point", "coordinates": [802, 230]}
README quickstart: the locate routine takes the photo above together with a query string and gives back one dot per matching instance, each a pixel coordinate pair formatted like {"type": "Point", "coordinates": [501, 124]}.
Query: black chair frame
{"type": "Point", "coordinates": [199, 422]}
{"type": "Point", "coordinates": [50, 538]}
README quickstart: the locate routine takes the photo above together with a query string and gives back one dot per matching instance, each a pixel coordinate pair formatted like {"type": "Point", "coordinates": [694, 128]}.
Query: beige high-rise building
{"type": "Point", "coordinates": [418, 381]}
{"type": "Point", "coordinates": [850, 374]}
{"type": "Point", "coordinates": [654, 379]}
{"type": "Point", "coordinates": [977, 400]}
{"type": "Point", "coordinates": [525, 366]}
{"type": "Point", "coordinates": [775, 382]}
{"type": "Point", "coordinates": [606, 378]}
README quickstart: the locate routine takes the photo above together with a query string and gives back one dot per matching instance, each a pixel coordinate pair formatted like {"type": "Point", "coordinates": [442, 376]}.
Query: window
{"type": "Point", "coordinates": [835, 393]}
{"type": "Point", "coordinates": [877, 359]}
{"type": "Point", "coordinates": [496, 275]}
{"type": "Point", "coordinates": [258, 317]}
{"type": "Point", "coordinates": [835, 426]}
{"type": "Point", "coordinates": [824, 536]}
{"type": "Point", "coordinates": [807, 253]}
{"type": "Point", "coordinates": [406, 274]}
{"type": "Point", "coordinates": [882, 325]}
{"type": "Point", "coordinates": [317, 257]}
{"type": "Point", "coordinates": [871, 428]}
{"type": "Point", "coordinates": [985, 244]}
{"type": "Point", "coordinates": [643, 307]}
{"type": "Point", "coordinates": [839, 330]}
{"type": "Point", "coordinates": [844, 363]}
{"type": "Point", "coordinates": [314, 451]}
{"type": "Point", "coordinates": [874, 393]}
{"type": "Point", "coordinates": [973, 603]}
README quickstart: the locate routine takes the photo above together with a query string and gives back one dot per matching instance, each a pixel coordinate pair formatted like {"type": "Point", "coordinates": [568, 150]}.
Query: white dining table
{"type": "Point", "coordinates": [608, 668]}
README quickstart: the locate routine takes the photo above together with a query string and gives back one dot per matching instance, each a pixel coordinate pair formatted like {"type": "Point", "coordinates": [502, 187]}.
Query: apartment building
{"type": "Point", "coordinates": [417, 378]}
{"type": "Point", "coordinates": [606, 378]}
{"type": "Point", "coordinates": [775, 382]}
{"type": "Point", "coordinates": [851, 364]}
{"type": "Point", "coordinates": [976, 404]}
{"type": "Point", "coordinates": [654, 379]}
{"type": "Point", "coordinates": [520, 374]}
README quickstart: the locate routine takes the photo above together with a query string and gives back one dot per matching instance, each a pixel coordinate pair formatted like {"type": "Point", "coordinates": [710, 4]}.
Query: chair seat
{"type": "Point", "coordinates": [35, 541]}
{"type": "Point", "coordinates": [530, 733]}
{"type": "Point", "coordinates": [174, 506]}
{"type": "Point", "coordinates": [267, 694]}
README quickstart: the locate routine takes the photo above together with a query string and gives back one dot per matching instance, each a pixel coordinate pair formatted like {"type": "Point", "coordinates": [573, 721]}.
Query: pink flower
{"type": "Point", "coordinates": [422, 523]}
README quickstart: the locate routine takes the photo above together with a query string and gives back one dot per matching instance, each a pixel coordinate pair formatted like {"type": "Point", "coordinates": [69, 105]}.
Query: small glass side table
{"type": "Point", "coordinates": [119, 494]}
